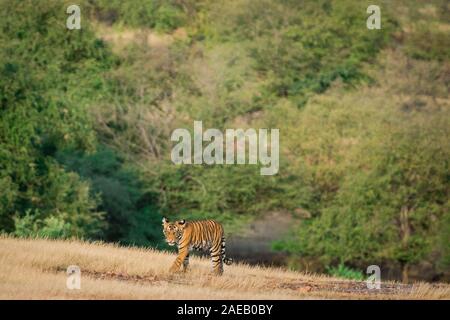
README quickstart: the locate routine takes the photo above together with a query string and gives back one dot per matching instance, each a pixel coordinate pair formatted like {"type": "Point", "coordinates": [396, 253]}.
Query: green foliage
{"type": "Point", "coordinates": [428, 43]}
{"type": "Point", "coordinates": [427, 35]}
{"type": "Point", "coordinates": [342, 271]}
{"type": "Point", "coordinates": [160, 15]}
{"type": "Point", "coordinates": [301, 47]}
{"type": "Point", "coordinates": [48, 76]}
{"type": "Point", "coordinates": [444, 239]}
{"type": "Point", "coordinates": [216, 191]}
{"type": "Point", "coordinates": [168, 17]}
{"type": "Point", "coordinates": [392, 185]}
{"type": "Point", "coordinates": [51, 227]}
{"type": "Point", "coordinates": [132, 216]}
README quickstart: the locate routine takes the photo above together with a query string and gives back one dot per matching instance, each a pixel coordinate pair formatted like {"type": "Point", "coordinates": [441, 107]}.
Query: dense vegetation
{"type": "Point", "coordinates": [86, 117]}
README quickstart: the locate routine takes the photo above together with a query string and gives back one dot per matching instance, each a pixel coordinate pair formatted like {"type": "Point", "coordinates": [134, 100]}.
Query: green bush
{"type": "Point", "coordinates": [389, 206]}
{"type": "Point", "coordinates": [444, 240]}
{"type": "Point", "coordinates": [428, 43]}
{"type": "Point", "coordinates": [50, 227]}
{"type": "Point", "coordinates": [160, 15]}
{"type": "Point", "coordinates": [131, 212]}
{"type": "Point", "coordinates": [342, 271]}
{"type": "Point", "coordinates": [168, 18]}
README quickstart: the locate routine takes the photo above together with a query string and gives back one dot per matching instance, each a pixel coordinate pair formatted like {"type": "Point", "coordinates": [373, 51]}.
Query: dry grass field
{"type": "Point", "coordinates": [36, 269]}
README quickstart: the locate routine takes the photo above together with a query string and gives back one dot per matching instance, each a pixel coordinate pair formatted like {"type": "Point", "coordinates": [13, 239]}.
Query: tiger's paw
{"type": "Point", "coordinates": [217, 272]}
{"type": "Point", "coordinates": [185, 269]}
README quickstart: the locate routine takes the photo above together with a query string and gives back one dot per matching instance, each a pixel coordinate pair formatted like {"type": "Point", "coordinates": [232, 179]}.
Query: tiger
{"type": "Point", "coordinates": [206, 235]}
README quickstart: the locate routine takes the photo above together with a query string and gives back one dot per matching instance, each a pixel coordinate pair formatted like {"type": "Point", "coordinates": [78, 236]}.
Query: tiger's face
{"type": "Point", "coordinates": [173, 231]}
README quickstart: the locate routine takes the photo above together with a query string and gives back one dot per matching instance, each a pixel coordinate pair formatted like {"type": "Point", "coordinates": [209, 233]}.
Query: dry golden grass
{"type": "Point", "coordinates": [36, 269]}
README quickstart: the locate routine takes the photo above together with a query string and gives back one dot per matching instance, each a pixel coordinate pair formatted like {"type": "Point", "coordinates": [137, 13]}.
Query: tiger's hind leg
{"type": "Point", "coordinates": [216, 258]}
{"type": "Point", "coordinates": [217, 265]}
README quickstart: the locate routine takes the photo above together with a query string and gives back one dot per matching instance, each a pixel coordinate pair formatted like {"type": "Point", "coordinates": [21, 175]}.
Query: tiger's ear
{"type": "Point", "coordinates": [165, 220]}
{"type": "Point", "coordinates": [181, 222]}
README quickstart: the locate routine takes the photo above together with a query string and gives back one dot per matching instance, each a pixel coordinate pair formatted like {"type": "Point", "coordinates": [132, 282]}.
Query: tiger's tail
{"type": "Point", "coordinates": [225, 260]}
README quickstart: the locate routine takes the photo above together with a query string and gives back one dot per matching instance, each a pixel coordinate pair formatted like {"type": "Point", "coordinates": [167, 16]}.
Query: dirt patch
{"type": "Point", "coordinates": [351, 287]}
{"type": "Point", "coordinates": [314, 288]}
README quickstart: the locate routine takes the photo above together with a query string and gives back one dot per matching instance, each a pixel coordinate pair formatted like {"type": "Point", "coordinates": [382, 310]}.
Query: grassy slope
{"type": "Point", "coordinates": [35, 269]}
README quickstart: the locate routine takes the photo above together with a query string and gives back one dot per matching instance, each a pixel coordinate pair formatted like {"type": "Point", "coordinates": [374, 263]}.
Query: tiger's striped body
{"type": "Point", "coordinates": [206, 235]}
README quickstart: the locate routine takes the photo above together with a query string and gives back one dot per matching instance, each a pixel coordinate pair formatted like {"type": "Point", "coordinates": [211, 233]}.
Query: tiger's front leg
{"type": "Point", "coordinates": [185, 263]}
{"type": "Point", "coordinates": [182, 255]}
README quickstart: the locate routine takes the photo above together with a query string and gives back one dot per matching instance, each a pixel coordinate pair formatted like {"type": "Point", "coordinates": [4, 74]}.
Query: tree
{"type": "Point", "coordinates": [391, 207]}
{"type": "Point", "coordinates": [48, 77]}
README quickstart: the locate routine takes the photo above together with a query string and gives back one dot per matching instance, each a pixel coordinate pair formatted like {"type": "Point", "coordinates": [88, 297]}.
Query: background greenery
{"type": "Point", "coordinates": [86, 116]}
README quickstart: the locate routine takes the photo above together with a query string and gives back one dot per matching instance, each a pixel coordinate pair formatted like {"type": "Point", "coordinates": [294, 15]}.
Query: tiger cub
{"type": "Point", "coordinates": [206, 235]}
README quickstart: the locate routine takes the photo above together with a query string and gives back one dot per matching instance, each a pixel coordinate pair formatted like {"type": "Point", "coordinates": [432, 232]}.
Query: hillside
{"type": "Point", "coordinates": [87, 118]}
{"type": "Point", "coordinates": [36, 269]}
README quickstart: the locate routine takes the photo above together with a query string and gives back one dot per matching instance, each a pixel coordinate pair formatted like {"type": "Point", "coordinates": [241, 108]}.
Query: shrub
{"type": "Point", "coordinates": [51, 227]}
{"type": "Point", "coordinates": [131, 212]}
{"type": "Point", "coordinates": [342, 271]}
{"type": "Point", "coordinates": [160, 15]}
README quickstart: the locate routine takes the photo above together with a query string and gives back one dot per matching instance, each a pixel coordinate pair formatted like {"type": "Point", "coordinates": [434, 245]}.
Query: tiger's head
{"type": "Point", "coordinates": [173, 231]}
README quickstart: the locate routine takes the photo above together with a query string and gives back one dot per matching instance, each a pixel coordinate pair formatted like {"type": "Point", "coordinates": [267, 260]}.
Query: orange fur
{"type": "Point", "coordinates": [200, 235]}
